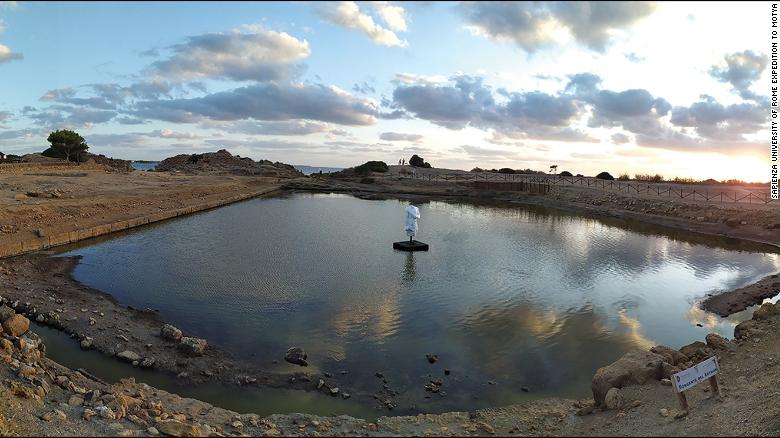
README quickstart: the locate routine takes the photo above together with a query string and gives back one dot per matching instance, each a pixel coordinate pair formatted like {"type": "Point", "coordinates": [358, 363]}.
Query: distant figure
{"type": "Point", "coordinates": [412, 214]}
{"type": "Point", "coordinates": [399, 161]}
{"type": "Point", "coordinates": [403, 161]}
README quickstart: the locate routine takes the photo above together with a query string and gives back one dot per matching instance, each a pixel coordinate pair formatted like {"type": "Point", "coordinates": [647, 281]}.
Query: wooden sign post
{"type": "Point", "coordinates": [694, 375]}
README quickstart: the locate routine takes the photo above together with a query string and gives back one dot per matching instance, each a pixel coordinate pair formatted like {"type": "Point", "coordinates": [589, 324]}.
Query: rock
{"type": "Point", "coordinates": [718, 342]}
{"type": "Point", "coordinates": [170, 332]}
{"type": "Point", "coordinates": [6, 312]}
{"type": "Point", "coordinates": [664, 412]}
{"type": "Point", "coordinates": [54, 415]}
{"type": "Point", "coordinates": [667, 370]}
{"type": "Point", "coordinates": [193, 346]}
{"type": "Point", "coordinates": [40, 232]}
{"type": "Point", "coordinates": [106, 413]}
{"type": "Point", "coordinates": [178, 428]}
{"type": "Point", "coordinates": [76, 400]}
{"type": "Point", "coordinates": [129, 356]}
{"type": "Point", "coordinates": [320, 384]}
{"type": "Point", "coordinates": [297, 356]}
{"type": "Point", "coordinates": [432, 358]}
{"type": "Point", "coordinates": [672, 356]}
{"type": "Point", "coordinates": [744, 329]}
{"type": "Point", "coordinates": [40, 318]}
{"type": "Point", "coordinates": [613, 399]}
{"type": "Point", "coordinates": [345, 395]}
{"type": "Point", "coordinates": [732, 222]}
{"type": "Point", "coordinates": [666, 382]}
{"type": "Point", "coordinates": [334, 391]}
{"type": "Point", "coordinates": [148, 362]}
{"type": "Point", "coordinates": [153, 431]}
{"type": "Point", "coordinates": [86, 343]}
{"type": "Point", "coordinates": [691, 349]}
{"type": "Point", "coordinates": [765, 311]}
{"type": "Point", "coordinates": [635, 367]}
{"type": "Point", "coordinates": [88, 414]}
{"type": "Point", "coordinates": [446, 372]}
{"type": "Point", "coordinates": [16, 325]}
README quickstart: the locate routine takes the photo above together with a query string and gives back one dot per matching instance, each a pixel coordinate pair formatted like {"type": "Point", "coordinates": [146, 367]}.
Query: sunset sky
{"type": "Point", "coordinates": [673, 88]}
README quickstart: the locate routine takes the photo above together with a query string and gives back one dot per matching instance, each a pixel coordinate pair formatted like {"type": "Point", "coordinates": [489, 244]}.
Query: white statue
{"type": "Point", "coordinates": [412, 214]}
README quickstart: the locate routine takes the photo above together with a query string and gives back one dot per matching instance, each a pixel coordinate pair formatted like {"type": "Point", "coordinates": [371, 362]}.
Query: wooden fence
{"type": "Point", "coordinates": [657, 189]}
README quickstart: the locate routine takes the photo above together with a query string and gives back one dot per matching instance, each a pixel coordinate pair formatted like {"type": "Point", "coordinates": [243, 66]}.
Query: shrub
{"type": "Point", "coordinates": [371, 166]}
{"type": "Point", "coordinates": [606, 176]}
{"type": "Point", "coordinates": [476, 169]}
{"type": "Point", "coordinates": [565, 173]}
{"type": "Point", "coordinates": [579, 175]}
{"type": "Point", "coordinates": [505, 170]}
{"type": "Point", "coordinates": [417, 161]}
{"type": "Point", "coordinates": [624, 177]}
{"type": "Point", "coordinates": [648, 178]}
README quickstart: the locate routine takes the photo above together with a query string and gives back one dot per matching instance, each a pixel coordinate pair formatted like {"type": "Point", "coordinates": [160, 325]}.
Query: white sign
{"type": "Point", "coordinates": [694, 375]}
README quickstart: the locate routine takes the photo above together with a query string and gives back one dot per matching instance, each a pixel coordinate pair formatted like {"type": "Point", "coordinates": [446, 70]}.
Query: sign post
{"type": "Point", "coordinates": [687, 379]}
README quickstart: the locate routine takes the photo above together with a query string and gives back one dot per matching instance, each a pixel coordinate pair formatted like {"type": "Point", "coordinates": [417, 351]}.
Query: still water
{"type": "Point", "coordinates": [507, 297]}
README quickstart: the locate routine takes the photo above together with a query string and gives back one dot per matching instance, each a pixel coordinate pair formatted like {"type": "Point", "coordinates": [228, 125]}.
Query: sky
{"type": "Point", "coordinates": [674, 88]}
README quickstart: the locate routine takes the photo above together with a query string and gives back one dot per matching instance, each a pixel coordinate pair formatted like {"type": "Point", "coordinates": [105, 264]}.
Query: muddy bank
{"type": "Point", "coordinates": [39, 397]}
{"type": "Point", "coordinates": [41, 287]}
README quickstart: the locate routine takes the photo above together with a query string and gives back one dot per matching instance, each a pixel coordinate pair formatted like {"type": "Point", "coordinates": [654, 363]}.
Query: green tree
{"type": "Point", "coordinates": [67, 144]}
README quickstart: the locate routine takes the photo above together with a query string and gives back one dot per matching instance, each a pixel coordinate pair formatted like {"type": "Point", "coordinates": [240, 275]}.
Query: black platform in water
{"type": "Point", "coordinates": [410, 246]}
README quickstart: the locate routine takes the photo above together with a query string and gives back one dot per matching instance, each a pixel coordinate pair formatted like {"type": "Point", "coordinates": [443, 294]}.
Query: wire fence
{"type": "Point", "coordinates": [657, 189]}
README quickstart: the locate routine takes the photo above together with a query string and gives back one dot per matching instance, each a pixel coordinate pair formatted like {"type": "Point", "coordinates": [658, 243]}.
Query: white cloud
{"type": "Point", "coordinates": [393, 15]}
{"type": "Point", "coordinates": [347, 14]}
{"type": "Point", "coordinates": [7, 55]}
{"type": "Point", "coordinates": [259, 56]}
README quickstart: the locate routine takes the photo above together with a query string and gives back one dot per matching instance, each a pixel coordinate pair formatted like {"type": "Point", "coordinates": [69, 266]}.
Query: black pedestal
{"type": "Point", "coordinates": [410, 246]}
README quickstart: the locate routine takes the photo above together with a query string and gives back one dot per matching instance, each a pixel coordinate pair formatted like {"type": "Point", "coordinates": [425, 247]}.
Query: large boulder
{"type": "Point", "coordinates": [697, 350]}
{"type": "Point", "coordinates": [672, 356]}
{"type": "Point", "coordinates": [129, 356]}
{"type": "Point", "coordinates": [745, 329]}
{"type": "Point", "coordinates": [6, 312]}
{"type": "Point", "coordinates": [297, 356]}
{"type": "Point", "coordinates": [171, 333]}
{"type": "Point", "coordinates": [193, 346]}
{"type": "Point", "coordinates": [636, 367]}
{"type": "Point", "coordinates": [718, 342]}
{"type": "Point", "coordinates": [16, 325]}
{"type": "Point", "coordinates": [613, 399]}
{"type": "Point", "coordinates": [766, 311]}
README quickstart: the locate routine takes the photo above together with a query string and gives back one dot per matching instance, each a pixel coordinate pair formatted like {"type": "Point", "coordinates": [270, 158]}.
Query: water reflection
{"type": "Point", "coordinates": [525, 296]}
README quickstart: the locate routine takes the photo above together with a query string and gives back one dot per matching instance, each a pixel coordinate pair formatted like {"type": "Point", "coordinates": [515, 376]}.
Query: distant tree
{"type": "Point", "coordinates": [579, 175]}
{"type": "Point", "coordinates": [476, 169]}
{"type": "Point", "coordinates": [553, 168]}
{"type": "Point", "coordinates": [605, 175]}
{"type": "Point", "coordinates": [67, 144]}
{"type": "Point", "coordinates": [371, 166]}
{"type": "Point", "coordinates": [624, 177]}
{"type": "Point", "coordinates": [506, 170]}
{"type": "Point", "coordinates": [417, 161]}
{"type": "Point", "coordinates": [565, 173]}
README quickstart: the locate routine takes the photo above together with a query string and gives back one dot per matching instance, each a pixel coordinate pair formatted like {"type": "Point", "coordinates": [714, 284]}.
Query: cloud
{"type": "Point", "coordinates": [8, 4]}
{"type": "Point", "coordinates": [714, 121]}
{"type": "Point", "coordinates": [742, 69]}
{"type": "Point", "coordinates": [269, 102]}
{"type": "Point", "coordinates": [67, 116]}
{"type": "Point", "coordinates": [6, 55]}
{"type": "Point", "coordinates": [532, 25]}
{"type": "Point", "coordinates": [287, 127]}
{"type": "Point", "coordinates": [347, 14]}
{"type": "Point", "coordinates": [397, 136]}
{"type": "Point", "coordinates": [466, 101]}
{"type": "Point", "coordinates": [619, 138]}
{"type": "Point", "coordinates": [262, 56]}
{"type": "Point", "coordinates": [364, 88]}
{"type": "Point", "coordinates": [393, 15]}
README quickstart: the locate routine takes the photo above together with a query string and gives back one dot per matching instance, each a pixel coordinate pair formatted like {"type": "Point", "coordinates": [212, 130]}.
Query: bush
{"type": "Point", "coordinates": [371, 166]}
{"type": "Point", "coordinates": [606, 176]}
{"type": "Point", "coordinates": [565, 173]}
{"type": "Point", "coordinates": [579, 175]}
{"type": "Point", "coordinates": [649, 178]}
{"type": "Point", "coordinates": [476, 169]}
{"type": "Point", "coordinates": [505, 170]}
{"type": "Point", "coordinates": [624, 177]}
{"type": "Point", "coordinates": [417, 161]}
